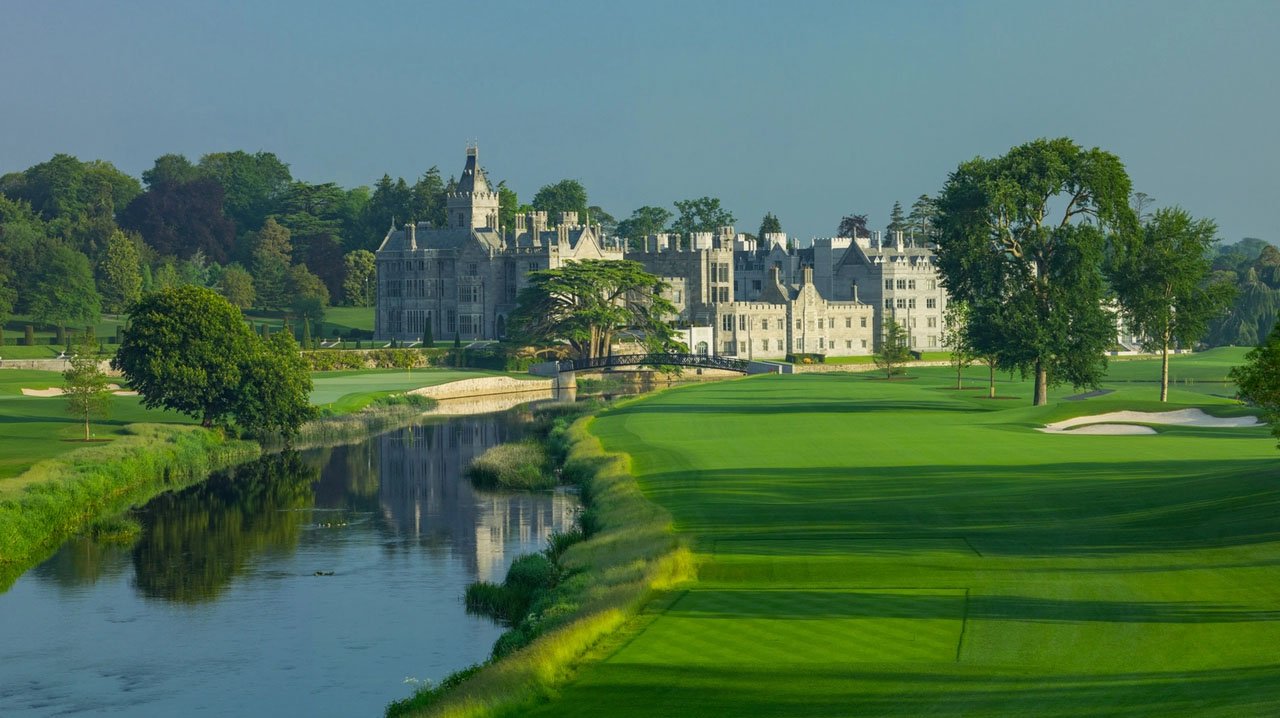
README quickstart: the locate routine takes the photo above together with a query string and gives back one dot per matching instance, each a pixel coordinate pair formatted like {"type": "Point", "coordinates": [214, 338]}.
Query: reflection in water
{"type": "Point", "coordinates": [298, 584]}
{"type": "Point", "coordinates": [194, 542]}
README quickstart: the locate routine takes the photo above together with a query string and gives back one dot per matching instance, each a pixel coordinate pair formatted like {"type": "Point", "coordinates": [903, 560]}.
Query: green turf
{"type": "Point", "coordinates": [35, 428]}
{"type": "Point", "coordinates": [345, 391]}
{"type": "Point", "coordinates": [878, 548]}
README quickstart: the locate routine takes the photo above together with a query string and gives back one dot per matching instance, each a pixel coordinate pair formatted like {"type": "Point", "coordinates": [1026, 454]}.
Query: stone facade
{"type": "Point", "coordinates": [760, 298]}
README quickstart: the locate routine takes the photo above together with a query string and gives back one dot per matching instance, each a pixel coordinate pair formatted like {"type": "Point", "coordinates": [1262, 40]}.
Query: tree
{"type": "Point", "coordinates": [955, 336]}
{"type": "Point", "coordinates": [1159, 276]}
{"type": "Point", "coordinates": [854, 225]}
{"type": "Point", "coordinates": [1036, 279]}
{"type": "Point", "coordinates": [170, 168]}
{"type": "Point", "coordinates": [64, 290]}
{"type": "Point", "coordinates": [608, 223]}
{"type": "Point", "coordinates": [253, 185]}
{"type": "Point", "coordinates": [921, 217]}
{"type": "Point", "coordinates": [184, 350]}
{"type": "Point", "coordinates": [897, 221]}
{"type": "Point", "coordinates": [1258, 379]}
{"type": "Point", "coordinates": [182, 218]}
{"type": "Point", "coordinates": [306, 334]}
{"type": "Point", "coordinates": [894, 350]}
{"type": "Point", "coordinates": [564, 196]}
{"type": "Point", "coordinates": [769, 225]}
{"type": "Point", "coordinates": [308, 308]}
{"type": "Point", "coordinates": [360, 274]}
{"type": "Point", "coordinates": [585, 304]}
{"type": "Point", "coordinates": [237, 286]}
{"type": "Point", "coordinates": [271, 257]}
{"type": "Point", "coordinates": [301, 283]}
{"type": "Point", "coordinates": [84, 384]}
{"type": "Point", "coordinates": [279, 400]}
{"type": "Point", "coordinates": [642, 223]}
{"type": "Point", "coordinates": [122, 277]}
{"type": "Point", "coordinates": [428, 340]}
{"type": "Point", "coordinates": [700, 215]}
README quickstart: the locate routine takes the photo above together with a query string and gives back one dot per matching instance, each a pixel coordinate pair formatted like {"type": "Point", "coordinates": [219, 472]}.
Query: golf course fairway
{"type": "Point", "coordinates": [900, 548]}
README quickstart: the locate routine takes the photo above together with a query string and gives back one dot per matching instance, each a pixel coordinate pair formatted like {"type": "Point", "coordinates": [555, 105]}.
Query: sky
{"type": "Point", "coordinates": [809, 110]}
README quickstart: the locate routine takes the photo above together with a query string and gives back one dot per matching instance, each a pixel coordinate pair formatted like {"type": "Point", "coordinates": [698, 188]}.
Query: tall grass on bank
{"type": "Point", "coordinates": [384, 414]}
{"type": "Point", "coordinates": [632, 555]}
{"type": "Point", "coordinates": [519, 465]}
{"type": "Point", "coordinates": [73, 490]}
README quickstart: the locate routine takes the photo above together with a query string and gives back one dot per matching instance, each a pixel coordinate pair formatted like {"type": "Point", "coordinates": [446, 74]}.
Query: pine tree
{"type": "Point", "coordinates": [306, 333]}
{"type": "Point", "coordinates": [897, 221]}
{"type": "Point", "coordinates": [427, 339]}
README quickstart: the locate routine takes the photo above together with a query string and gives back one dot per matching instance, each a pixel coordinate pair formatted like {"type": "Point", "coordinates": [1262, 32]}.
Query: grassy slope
{"type": "Point", "coordinates": [347, 391]}
{"type": "Point", "coordinates": [875, 548]}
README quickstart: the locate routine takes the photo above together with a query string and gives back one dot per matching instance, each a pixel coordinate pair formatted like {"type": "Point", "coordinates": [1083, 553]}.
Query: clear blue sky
{"type": "Point", "coordinates": [810, 110]}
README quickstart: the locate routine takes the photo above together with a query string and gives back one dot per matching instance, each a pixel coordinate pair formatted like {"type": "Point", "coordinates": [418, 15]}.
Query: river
{"type": "Point", "coordinates": [319, 583]}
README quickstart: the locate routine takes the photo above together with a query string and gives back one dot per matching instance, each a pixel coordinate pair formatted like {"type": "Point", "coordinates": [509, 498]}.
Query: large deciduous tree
{"type": "Point", "coordinates": [360, 286]}
{"type": "Point", "coordinates": [1021, 240]}
{"type": "Point", "coordinates": [585, 304]}
{"type": "Point", "coordinates": [1160, 277]}
{"type": "Point", "coordinates": [642, 223]}
{"type": "Point", "coordinates": [281, 387]}
{"type": "Point", "coordinates": [1258, 379]}
{"type": "Point", "coordinates": [64, 290]}
{"type": "Point", "coordinates": [254, 185]}
{"type": "Point", "coordinates": [182, 218]}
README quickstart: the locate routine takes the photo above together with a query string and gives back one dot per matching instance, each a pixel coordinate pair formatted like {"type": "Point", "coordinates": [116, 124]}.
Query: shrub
{"type": "Point", "coordinates": [806, 358]}
{"type": "Point", "coordinates": [29, 336]}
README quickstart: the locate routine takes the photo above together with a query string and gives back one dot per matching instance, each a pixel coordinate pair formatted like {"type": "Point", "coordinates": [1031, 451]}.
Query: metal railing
{"type": "Point", "coordinates": [657, 359]}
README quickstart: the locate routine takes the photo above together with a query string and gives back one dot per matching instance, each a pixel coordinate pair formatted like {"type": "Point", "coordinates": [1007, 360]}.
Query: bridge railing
{"type": "Point", "coordinates": [656, 359]}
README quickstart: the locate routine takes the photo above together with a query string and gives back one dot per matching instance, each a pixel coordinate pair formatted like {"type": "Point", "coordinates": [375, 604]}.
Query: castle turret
{"type": "Point", "coordinates": [473, 205]}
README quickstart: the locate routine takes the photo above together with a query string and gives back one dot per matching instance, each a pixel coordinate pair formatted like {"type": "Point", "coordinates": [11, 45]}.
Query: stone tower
{"type": "Point", "coordinates": [473, 205]}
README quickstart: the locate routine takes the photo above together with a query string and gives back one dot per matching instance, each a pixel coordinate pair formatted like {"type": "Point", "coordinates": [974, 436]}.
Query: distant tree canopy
{"type": "Point", "coordinates": [769, 225]}
{"type": "Point", "coordinates": [703, 214]}
{"type": "Point", "coordinates": [564, 196]}
{"type": "Point", "coordinates": [643, 222]}
{"type": "Point", "coordinates": [854, 226]}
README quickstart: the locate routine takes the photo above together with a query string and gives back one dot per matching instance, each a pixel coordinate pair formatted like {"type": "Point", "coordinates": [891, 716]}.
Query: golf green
{"type": "Point", "coordinates": [873, 548]}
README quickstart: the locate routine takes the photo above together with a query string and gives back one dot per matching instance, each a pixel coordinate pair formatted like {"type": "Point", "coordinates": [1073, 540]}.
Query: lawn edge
{"type": "Point", "coordinates": [634, 558]}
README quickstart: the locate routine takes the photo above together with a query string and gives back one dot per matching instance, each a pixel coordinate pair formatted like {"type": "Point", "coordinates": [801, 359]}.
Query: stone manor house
{"type": "Point", "coordinates": [753, 298]}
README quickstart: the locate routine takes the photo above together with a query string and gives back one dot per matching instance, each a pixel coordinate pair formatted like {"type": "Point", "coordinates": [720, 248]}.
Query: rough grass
{"type": "Point", "coordinates": [519, 466]}
{"type": "Point", "coordinates": [632, 557]}
{"type": "Point", "coordinates": [72, 491]}
{"type": "Point", "coordinates": [899, 549]}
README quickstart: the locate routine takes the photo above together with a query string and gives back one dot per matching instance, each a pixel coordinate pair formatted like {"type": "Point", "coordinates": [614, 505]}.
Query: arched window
{"type": "Point", "coordinates": [702, 349]}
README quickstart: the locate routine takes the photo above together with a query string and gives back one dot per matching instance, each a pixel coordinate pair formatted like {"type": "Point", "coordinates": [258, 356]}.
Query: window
{"type": "Point", "coordinates": [421, 265]}
{"type": "Point", "coordinates": [911, 284]}
{"type": "Point", "coordinates": [724, 294]}
{"type": "Point", "coordinates": [755, 285]}
{"type": "Point", "coordinates": [911, 303]}
{"type": "Point", "coordinates": [932, 322]}
{"type": "Point", "coordinates": [533, 266]}
{"type": "Point", "coordinates": [933, 340]}
{"type": "Point", "coordinates": [888, 284]}
{"type": "Point", "coordinates": [742, 347]}
{"type": "Point", "coordinates": [679, 297]}
{"type": "Point", "coordinates": [888, 304]}
{"type": "Point", "coordinates": [864, 343]}
{"type": "Point", "coordinates": [902, 284]}
{"type": "Point", "coordinates": [931, 284]}
{"type": "Point", "coordinates": [450, 321]}
{"type": "Point", "coordinates": [471, 269]}
{"type": "Point", "coordinates": [822, 342]}
{"type": "Point", "coordinates": [931, 303]}
{"type": "Point", "coordinates": [728, 347]}
{"type": "Point", "coordinates": [902, 304]}
{"type": "Point", "coordinates": [848, 322]}
{"type": "Point", "coordinates": [779, 344]}
{"type": "Point", "coordinates": [764, 324]}
{"type": "Point", "coordinates": [742, 322]}
{"type": "Point", "coordinates": [464, 324]}
{"type": "Point", "coordinates": [799, 324]}
{"type": "Point", "coordinates": [764, 345]}
{"type": "Point", "coordinates": [862, 322]}
{"type": "Point", "coordinates": [724, 271]}
{"type": "Point", "coordinates": [726, 322]}
{"type": "Point", "coordinates": [848, 343]}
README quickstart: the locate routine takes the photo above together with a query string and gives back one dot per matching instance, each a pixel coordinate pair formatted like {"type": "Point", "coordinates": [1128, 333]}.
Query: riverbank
{"type": "Point", "coordinates": [631, 555]}
{"type": "Point", "coordinates": [60, 496]}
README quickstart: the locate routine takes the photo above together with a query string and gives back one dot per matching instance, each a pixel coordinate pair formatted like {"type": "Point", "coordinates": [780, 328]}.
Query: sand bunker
{"type": "Point", "coordinates": [1099, 424]}
{"type": "Point", "coordinates": [57, 391]}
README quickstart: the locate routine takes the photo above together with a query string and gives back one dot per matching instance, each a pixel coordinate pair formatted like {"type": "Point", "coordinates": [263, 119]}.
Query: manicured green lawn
{"type": "Point", "coordinates": [34, 428]}
{"type": "Point", "coordinates": [879, 548]}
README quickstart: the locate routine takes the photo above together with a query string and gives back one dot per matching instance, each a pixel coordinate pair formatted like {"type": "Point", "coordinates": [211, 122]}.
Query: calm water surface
{"type": "Point", "coordinates": [217, 609]}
